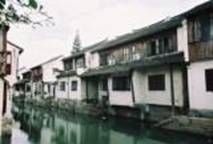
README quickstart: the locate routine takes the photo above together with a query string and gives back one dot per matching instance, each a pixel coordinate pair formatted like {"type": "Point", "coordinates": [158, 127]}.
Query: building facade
{"type": "Point", "coordinates": [200, 69]}
{"type": "Point", "coordinates": [39, 82]}
{"type": "Point", "coordinates": [70, 84]}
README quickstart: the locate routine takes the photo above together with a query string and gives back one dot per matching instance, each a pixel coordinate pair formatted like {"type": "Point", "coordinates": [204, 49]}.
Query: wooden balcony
{"type": "Point", "coordinates": [201, 50]}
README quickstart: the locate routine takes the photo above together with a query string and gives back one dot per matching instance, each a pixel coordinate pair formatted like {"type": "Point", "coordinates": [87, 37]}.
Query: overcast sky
{"type": "Point", "coordinates": [95, 19]}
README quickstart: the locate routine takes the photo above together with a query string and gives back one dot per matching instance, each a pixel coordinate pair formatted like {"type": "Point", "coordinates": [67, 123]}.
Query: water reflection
{"type": "Point", "coordinates": [39, 127]}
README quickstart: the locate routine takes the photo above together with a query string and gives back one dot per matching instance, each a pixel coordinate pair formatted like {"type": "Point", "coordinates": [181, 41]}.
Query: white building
{"type": "Point", "coordinates": [12, 78]}
{"type": "Point", "coordinates": [70, 84]}
{"type": "Point", "coordinates": [9, 63]}
{"type": "Point", "coordinates": [43, 78]}
{"type": "Point", "coordinates": [200, 68]}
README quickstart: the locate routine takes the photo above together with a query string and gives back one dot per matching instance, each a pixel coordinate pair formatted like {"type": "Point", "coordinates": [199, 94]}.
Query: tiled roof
{"type": "Point", "coordinates": [82, 51]}
{"type": "Point", "coordinates": [143, 32]}
{"type": "Point", "coordinates": [154, 28]}
{"type": "Point", "coordinates": [46, 62]}
{"type": "Point", "coordinates": [206, 5]}
{"type": "Point", "coordinates": [171, 58]}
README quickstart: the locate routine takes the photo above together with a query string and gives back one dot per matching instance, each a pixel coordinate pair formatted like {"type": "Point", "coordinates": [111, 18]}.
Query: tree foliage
{"type": "Point", "coordinates": [23, 11]}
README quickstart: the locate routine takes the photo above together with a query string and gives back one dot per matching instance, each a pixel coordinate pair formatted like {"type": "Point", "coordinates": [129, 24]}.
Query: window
{"type": "Point", "coordinates": [156, 82]}
{"type": "Point", "coordinates": [62, 86]}
{"type": "Point", "coordinates": [68, 65]}
{"type": "Point", "coordinates": [103, 58]}
{"type": "Point", "coordinates": [28, 88]}
{"type": "Point", "coordinates": [80, 62]}
{"type": "Point", "coordinates": [104, 84]}
{"type": "Point", "coordinates": [209, 79]}
{"type": "Point", "coordinates": [197, 30]}
{"type": "Point", "coordinates": [74, 85]}
{"type": "Point", "coordinates": [153, 48]}
{"type": "Point", "coordinates": [49, 88]}
{"type": "Point", "coordinates": [126, 54]}
{"type": "Point", "coordinates": [121, 83]}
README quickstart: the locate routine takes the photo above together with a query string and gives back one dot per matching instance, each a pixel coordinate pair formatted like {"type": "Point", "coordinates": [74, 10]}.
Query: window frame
{"type": "Point", "coordinates": [209, 88]}
{"type": "Point", "coordinates": [155, 84]}
{"type": "Point", "coordinates": [62, 86]}
{"type": "Point", "coordinates": [74, 83]}
{"type": "Point", "coordinates": [121, 80]}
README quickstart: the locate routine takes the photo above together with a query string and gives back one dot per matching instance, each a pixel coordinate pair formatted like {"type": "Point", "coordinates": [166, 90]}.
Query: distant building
{"type": "Point", "coordinates": [70, 85]}
{"type": "Point", "coordinates": [40, 81]}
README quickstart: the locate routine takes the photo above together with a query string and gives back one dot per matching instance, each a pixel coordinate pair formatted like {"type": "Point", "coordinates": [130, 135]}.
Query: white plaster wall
{"type": "Point", "coordinates": [95, 60]}
{"type": "Point", "coordinates": [198, 96]}
{"type": "Point", "coordinates": [62, 94]}
{"type": "Point", "coordinates": [68, 93]}
{"type": "Point", "coordinates": [182, 39]}
{"type": "Point", "coordinates": [75, 95]}
{"type": "Point", "coordinates": [48, 73]}
{"type": "Point", "coordinates": [12, 78]}
{"type": "Point", "coordinates": [144, 96]}
{"type": "Point", "coordinates": [121, 98]}
{"type": "Point", "coordinates": [88, 59]}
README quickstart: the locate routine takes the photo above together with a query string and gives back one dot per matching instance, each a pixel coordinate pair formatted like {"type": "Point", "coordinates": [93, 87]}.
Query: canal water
{"type": "Point", "coordinates": [35, 126]}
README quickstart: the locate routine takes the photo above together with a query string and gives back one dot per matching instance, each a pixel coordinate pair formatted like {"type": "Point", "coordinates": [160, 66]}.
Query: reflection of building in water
{"type": "Point", "coordinates": [47, 128]}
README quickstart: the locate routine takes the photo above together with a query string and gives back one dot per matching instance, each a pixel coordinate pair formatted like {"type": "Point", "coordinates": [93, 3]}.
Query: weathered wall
{"type": "Point", "coordinates": [182, 39]}
{"type": "Point", "coordinates": [95, 60]}
{"type": "Point", "coordinates": [199, 97]}
{"type": "Point", "coordinates": [120, 98]}
{"type": "Point", "coordinates": [75, 95]}
{"type": "Point", "coordinates": [62, 94]}
{"type": "Point", "coordinates": [48, 73]}
{"type": "Point", "coordinates": [68, 93]}
{"type": "Point", "coordinates": [144, 96]}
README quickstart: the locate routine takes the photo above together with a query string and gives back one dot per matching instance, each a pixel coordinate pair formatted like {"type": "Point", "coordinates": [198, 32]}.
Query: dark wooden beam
{"type": "Point", "coordinates": [172, 89]}
{"type": "Point", "coordinates": [185, 89]}
{"type": "Point", "coordinates": [132, 86]}
{"type": "Point", "coordinates": [87, 95]}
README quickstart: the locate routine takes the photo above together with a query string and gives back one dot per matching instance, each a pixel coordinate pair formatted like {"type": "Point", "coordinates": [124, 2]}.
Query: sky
{"type": "Point", "coordinates": [94, 19]}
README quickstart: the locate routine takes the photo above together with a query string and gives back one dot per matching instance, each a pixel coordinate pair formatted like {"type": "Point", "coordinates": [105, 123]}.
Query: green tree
{"type": "Point", "coordinates": [22, 11]}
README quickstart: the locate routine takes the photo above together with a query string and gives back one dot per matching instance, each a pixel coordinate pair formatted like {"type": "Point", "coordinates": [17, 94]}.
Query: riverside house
{"type": "Point", "coordinates": [70, 84]}
{"type": "Point", "coordinates": [14, 52]}
{"type": "Point", "coordinates": [142, 71]}
{"type": "Point", "coordinates": [9, 61]}
{"type": "Point", "coordinates": [159, 70]}
{"type": "Point", "coordinates": [200, 68]}
{"type": "Point", "coordinates": [44, 78]}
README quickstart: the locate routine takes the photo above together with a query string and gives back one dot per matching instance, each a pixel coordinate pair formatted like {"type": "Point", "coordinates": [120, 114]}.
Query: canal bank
{"type": "Point", "coordinates": [34, 125]}
{"type": "Point", "coordinates": [180, 123]}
